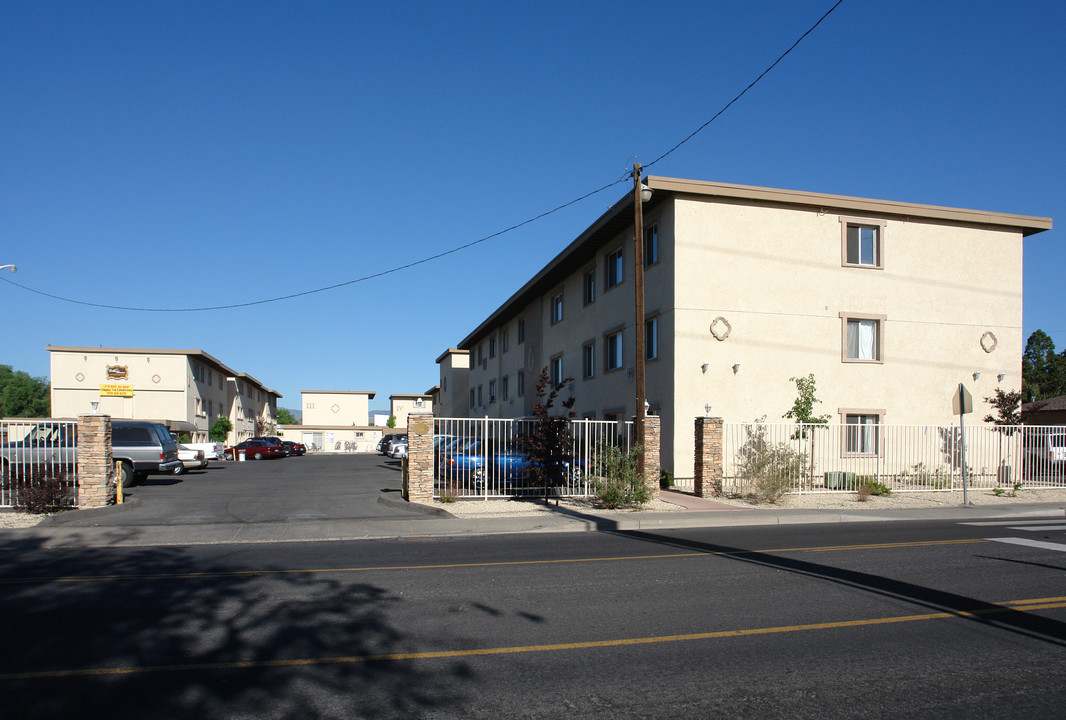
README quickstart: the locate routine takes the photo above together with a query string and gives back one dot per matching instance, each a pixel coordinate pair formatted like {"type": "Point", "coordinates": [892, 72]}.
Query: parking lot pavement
{"type": "Point", "coordinates": [287, 490]}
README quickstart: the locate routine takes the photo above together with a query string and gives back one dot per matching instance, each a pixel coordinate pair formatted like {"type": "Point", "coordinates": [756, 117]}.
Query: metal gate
{"type": "Point", "coordinates": [34, 450]}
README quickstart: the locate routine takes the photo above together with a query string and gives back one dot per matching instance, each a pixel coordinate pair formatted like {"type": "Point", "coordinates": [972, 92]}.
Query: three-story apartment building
{"type": "Point", "coordinates": [890, 305]}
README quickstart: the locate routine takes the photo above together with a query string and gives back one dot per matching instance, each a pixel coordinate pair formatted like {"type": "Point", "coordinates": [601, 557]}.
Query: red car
{"type": "Point", "coordinates": [254, 450]}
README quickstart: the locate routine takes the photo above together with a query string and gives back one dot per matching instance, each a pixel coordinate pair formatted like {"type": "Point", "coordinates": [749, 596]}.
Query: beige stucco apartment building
{"type": "Point", "coordinates": [890, 305]}
{"type": "Point", "coordinates": [335, 421]}
{"type": "Point", "coordinates": [186, 389]}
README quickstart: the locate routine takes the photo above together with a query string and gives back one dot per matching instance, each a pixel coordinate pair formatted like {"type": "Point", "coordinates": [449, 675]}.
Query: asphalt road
{"type": "Point", "coordinates": [293, 489]}
{"type": "Point", "coordinates": [878, 620]}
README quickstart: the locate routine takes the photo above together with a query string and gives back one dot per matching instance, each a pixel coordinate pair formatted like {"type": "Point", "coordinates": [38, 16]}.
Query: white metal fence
{"type": "Point", "coordinates": [32, 449]}
{"type": "Point", "coordinates": [490, 458]}
{"type": "Point", "coordinates": [836, 458]}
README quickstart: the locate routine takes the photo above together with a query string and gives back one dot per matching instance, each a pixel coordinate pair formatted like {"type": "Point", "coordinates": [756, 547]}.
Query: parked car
{"type": "Point", "coordinates": [191, 459]}
{"type": "Point", "coordinates": [212, 450]}
{"type": "Point", "coordinates": [142, 448]}
{"type": "Point", "coordinates": [398, 448]}
{"type": "Point", "coordinates": [255, 449]}
{"type": "Point", "coordinates": [388, 440]}
{"type": "Point", "coordinates": [275, 441]}
{"type": "Point", "coordinates": [295, 448]}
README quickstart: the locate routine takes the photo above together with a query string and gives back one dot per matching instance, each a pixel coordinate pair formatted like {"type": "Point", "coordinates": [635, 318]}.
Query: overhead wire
{"type": "Point", "coordinates": [459, 248]}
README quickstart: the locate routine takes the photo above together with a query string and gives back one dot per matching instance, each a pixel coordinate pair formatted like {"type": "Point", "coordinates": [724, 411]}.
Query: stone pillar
{"type": "Point", "coordinates": [419, 483]}
{"type": "Point", "coordinates": [652, 455]}
{"type": "Point", "coordinates": [95, 467]}
{"type": "Point", "coordinates": [708, 460]}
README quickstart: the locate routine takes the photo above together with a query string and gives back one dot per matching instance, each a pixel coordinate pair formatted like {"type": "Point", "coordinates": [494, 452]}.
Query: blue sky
{"type": "Point", "coordinates": [193, 154]}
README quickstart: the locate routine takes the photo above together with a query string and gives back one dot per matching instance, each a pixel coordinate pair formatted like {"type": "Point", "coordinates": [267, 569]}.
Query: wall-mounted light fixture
{"type": "Point", "coordinates": [707, 409]}
{"type": "Point", "coordinates": [736, 368]}
{"type": "Point", "coordinates": [647, 407]}
{"type": "Point", "coordinates": [1002, 377]}
{"type": "Point", "coordinates": [419, 403]}
{"type": "Point", "coordinates": [976, 375]}
{"type": "Point", "coordinates": [94, 404]}
{"type": "Point", "coordinates": [704, 367]}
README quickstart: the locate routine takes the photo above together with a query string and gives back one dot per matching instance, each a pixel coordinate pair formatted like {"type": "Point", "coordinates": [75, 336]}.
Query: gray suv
{"type": "Point", "coordinates": [142, 448]}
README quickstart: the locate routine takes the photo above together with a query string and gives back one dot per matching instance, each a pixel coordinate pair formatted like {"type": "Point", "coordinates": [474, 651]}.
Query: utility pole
{"type": "Point", "coordinates": [638, 302]}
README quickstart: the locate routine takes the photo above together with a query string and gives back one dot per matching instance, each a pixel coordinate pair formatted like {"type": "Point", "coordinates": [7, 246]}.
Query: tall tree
{"type": "Point", "coordinates": [22, 395]}
{"type": "Point", "coordinates": [285, 417]}
{"type": "Point", "coordinates": [1043, 371]}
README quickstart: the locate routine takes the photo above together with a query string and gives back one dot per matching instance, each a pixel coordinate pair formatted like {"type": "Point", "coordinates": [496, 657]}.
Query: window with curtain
{"type": "Point", "coordinates": [863, 341]}
{"type": "Point", "coordinates": [861, 434]}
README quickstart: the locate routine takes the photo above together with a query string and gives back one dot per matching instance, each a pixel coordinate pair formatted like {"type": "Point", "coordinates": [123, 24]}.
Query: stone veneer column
{"type": "Point", "coordinates": [652, 457]}
{"type": "Point", "coordinates": [95, 467]}
{"type": "Point", "coordinates": [420, 458]}
{"type": "Point", "coordinates": [708, 459]}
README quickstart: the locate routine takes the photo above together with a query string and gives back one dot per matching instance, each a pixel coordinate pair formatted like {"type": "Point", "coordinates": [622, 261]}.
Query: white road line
{"type": "Point", "coordinates": [991, 523]}
{"type": "Point", "coordinates": [1057, 547]}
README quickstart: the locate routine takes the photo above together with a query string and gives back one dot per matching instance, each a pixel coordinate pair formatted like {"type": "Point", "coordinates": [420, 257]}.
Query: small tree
{"type": "Point", "coordinates": [1008, 406]}
{"type": "Point", "coordinates": [220, 429]}
{"type": "Point", "coordinates": [391, 422]}
{"type": "Point", "coordinates": [803, 413]}
{"type": "Point", "coordinates": [285, 417]}
{"type": "Point", "coordinates": [550, 442]}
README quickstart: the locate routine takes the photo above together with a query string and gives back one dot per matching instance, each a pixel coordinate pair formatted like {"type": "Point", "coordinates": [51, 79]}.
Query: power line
{"type": "Point", "coordinates": [454, 250]}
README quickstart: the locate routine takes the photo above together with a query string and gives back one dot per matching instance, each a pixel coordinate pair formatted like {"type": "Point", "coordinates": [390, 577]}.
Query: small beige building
{"type": "Point", "coordinates": [185, 389]}
{"type": "Point", "coordinates": [335, 421]}
{"type": "Point", "coordinates": [400, 406]}
{"type": "Point", "coordinates": [890, 305]}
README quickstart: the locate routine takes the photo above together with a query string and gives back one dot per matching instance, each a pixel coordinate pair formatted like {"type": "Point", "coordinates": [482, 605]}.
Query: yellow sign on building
{"type": "Point", "coordinates": [116, 391]}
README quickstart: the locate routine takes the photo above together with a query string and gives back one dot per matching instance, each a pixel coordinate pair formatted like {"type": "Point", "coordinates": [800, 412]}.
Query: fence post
{"type": "Point", "coordinates": [708, 460]}
{"type": "Point", "coordinates": [94, 462]}
{"type": "Point", "coordinates": [652, 459]}
{"type": "Point", "coordinates": [420, 458]}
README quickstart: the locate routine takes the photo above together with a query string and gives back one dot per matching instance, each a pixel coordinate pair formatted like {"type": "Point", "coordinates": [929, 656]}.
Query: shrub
{"type": "Point", "coordinates": [873, 487]}
{"type": "Point", "coordinates": [620, 485]}
{"type": "Point", "coordinates": [666, 479]}
{"type": "Point", "coordinates": [767, 469]}
{"type": "Point", "coordinates": [42, 492]}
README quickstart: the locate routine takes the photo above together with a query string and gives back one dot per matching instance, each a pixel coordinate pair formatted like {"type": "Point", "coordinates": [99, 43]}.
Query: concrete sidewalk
{"type": "Point", "coordinates": [99, 528]}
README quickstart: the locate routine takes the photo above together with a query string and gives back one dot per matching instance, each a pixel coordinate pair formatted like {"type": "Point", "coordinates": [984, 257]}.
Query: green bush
{"type": "Point", "coordinates": [666, 479]}
{"type": "Point", "coordinates": [621, 485]}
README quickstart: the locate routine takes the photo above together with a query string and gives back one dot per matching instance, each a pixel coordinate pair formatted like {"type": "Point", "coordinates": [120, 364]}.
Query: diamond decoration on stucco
{"type": "Point", "coordinates": [720, 328]}
{"type": "Point", "coordinates": [156, 379]}
{"type": "Point", "coordinates": [80, 377]}
{"type": "Point", "coordinates": [336, 408]}
{"type": "Point", "coordinates": [988, 342]}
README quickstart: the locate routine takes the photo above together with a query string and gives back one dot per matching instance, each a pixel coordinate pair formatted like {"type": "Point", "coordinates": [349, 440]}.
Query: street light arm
{"type": "Point", "coordinates": [12, 268]}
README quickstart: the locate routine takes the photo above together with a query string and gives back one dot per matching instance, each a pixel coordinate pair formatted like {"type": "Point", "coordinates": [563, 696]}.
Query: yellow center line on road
{"type": "Point", "coordinates": [1010, 606]}
{"type": "Point", "coordinates": [454, 566]}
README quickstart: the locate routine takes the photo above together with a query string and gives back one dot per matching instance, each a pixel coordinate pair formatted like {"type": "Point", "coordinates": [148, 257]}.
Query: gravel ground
{"type": "Point", "coordinates": [809, 501]}
{"type": "Point", "coordinates": [12, 519]}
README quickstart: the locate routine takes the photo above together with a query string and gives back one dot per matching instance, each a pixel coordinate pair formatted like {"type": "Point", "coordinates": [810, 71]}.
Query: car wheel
{"type": "Point", "coordinates": [126, 475]}
{"type": "Point", "coordinates": [258, 456]}
{"type": "Point", "coordinates": [178, 470]}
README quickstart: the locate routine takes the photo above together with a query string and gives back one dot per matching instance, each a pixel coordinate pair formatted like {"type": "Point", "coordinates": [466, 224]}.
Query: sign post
{"type": "Point", "coordinates": [961, 404]}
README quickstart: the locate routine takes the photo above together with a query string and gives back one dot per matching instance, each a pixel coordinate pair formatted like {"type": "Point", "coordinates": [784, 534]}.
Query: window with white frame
{"type": "Point", "coordinates": [651, 338]}
{"type": "Point", "coordinates": [861, 433]}
{"type": "Point", "coordinates": [614, 269]}
{"type": "Point", "coordinates": [557, 308]}
{"type": "Point", "coordinates": [521, 384]}
{"type": "Point", "coordinates": [589, 287]}
{"type": "Point", "coordinates": [651, 245]}
{"type": "Point", "coordinates": [492, 347]}
{"type": "Point", "coordinates": [471, 397]}
{"type": "Point", "coordinates": [612, 347]}
{"type": "Point", "coordinates": [863, 339]}
{"type": "Point", "coordinates": [555, 373]}
{"type": "Point", "coordinates": [492, 391]}
{"type": "Point", "coordinates": [588, 360]}
{"type": "Point", "coordinates": [862, 242]}
{"type": "Point", "coordinates": [505, 389]}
